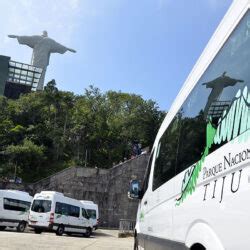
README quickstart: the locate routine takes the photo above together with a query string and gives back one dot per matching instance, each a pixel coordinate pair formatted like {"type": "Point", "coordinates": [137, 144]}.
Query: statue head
{"type": "Point", "coordinates": [45, 33]}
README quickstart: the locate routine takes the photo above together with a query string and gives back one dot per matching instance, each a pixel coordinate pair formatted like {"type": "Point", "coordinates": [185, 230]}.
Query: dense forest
{"type": "Point", "coordinates": [44, 132]}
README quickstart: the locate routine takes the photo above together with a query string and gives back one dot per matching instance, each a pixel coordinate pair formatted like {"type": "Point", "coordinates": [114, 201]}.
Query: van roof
{"type": "Point", "coordinates": [13, 193]}
{"type": "Point", "coordinates": [89, 205]}
{"type": "Point", "coordinates": [51, 192]}
{"type": "Point", "coordinates": [60, 198]}
{"type": "Point", "coordinates": [87, 202]}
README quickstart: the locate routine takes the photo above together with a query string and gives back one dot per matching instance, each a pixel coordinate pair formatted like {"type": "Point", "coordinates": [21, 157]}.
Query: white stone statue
{"type": "Point", "coordinates": [42, 47]}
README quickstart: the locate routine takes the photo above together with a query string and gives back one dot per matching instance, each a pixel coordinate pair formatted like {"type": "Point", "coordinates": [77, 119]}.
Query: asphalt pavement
{"type": "Point", "coordinates": [100, 240]}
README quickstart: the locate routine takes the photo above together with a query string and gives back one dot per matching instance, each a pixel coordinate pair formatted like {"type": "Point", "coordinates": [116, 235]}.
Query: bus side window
{"type": "Point", "coordinates": [148, 170]}
{"type": "Point", "coordinates": [213, 97]}
{"type": "Point", "coordinates": [166, 154]}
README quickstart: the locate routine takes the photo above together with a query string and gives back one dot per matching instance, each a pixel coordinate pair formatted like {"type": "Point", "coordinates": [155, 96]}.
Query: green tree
{"type": "Point", "coordinates": [27, 158]}
{"type": "Point", "coordinates": [43, 132]}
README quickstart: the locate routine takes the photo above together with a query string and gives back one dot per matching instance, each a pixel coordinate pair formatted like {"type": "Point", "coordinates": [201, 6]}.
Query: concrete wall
{"type": "Point", "coordinates": [106, 187]}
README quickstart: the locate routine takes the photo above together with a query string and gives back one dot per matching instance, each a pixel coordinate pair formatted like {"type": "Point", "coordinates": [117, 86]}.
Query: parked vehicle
{"type": "Point", "coordinates": [14, 209]}
{"type": "Point", "coordinates": [52, 211]}
{"type": "Point", "coordinates": [93, 212]}
{"type": "Point", "coordinates": [195, 194]}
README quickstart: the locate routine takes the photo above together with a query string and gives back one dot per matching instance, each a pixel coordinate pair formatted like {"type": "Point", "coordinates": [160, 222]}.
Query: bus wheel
{"type": "Point", "coordinates": [2, 228]}
{"type": "Point", "coordinates": [38, 231]}
{"type": "Point", "coordinates": [88, 232]}
{"type": "Point", "coordinates": [60, 230]}
{"type": "Point", "coordinates": [198, 246]}
{"type": "Point", "coordinates": [21, 227]}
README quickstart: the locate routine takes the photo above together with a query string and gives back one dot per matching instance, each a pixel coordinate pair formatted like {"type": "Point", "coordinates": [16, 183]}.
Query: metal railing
{"type": "Point", "coordinates": [126, 226]}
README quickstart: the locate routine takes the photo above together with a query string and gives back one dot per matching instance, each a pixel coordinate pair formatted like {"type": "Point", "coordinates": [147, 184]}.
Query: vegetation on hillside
{"type": "Point", "coordinates": [43, 132]}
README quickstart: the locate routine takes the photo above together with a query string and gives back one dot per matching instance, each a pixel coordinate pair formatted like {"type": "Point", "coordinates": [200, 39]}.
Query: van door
{"type": "Point", "coordinates": [61, 215]}
{"type": "Point", "coordinates": [74, 219]}
{"type": "Point", "coordinates": [161, 196]}
{"type": "Point", "coordinates": [143, 205]}
{"type": "Point", "coordinates": [91, 212]}
{"type": "Point", "coordinates": [159, 211]}
{"type": "Point", "coordinates": [84, 220]}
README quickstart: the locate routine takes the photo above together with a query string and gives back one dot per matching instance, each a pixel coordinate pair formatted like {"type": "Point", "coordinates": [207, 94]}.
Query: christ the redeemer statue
{"type": "Point", "coordinates": [217, 86]}
{"type": "Point", "coordinates": [42, 47]}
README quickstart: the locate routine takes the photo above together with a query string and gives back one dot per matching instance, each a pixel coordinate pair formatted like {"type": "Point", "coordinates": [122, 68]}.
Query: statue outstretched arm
{"type": "Point", "coordinates": [59, 48]}
{"type": "Point", "coordinates": [12, 36]}
{"type": "Point", "coordinates": [27, 40]}
{"type": "Point", "coordinates": [71, 50]}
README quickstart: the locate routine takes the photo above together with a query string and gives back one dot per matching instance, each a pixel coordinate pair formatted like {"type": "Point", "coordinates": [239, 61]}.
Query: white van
{"type": "Point", "coordinates": [14, 209]}
{"type": "Point", "coordinates": [196, 192]}
{"type": "Point", "coordinates": [52, 211]}
{"type": "Point", "coordinates": [93, 212]}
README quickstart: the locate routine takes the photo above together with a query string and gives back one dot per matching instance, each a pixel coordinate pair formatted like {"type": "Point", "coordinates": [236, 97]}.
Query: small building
{"type": "Point", "coordinates": [17, 78]}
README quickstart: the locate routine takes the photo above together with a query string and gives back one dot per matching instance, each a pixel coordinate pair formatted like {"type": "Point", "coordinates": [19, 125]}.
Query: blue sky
{"type": "Point", "coordinates": [146, 47]}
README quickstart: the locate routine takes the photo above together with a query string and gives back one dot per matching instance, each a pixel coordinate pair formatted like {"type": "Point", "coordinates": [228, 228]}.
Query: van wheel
{"type": "Point", "coordinates": [21, 227]}
{"type": "Point", "coordinates": [60, 230]}
{"type": "Point", "coordinates": [198, 246]}
{"type": "Point", "coordinates": [88, 232]}
{"type": "Point", "coordinates": [38, 231]}
{"type": "Point", "coordinates": [2, 228]}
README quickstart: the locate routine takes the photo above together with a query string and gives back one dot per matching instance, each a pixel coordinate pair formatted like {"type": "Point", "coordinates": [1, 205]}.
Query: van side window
{"type": "Point", "coordinates": [66, 209]}
{"type": "Point", "coordinates": [92, 213]}
{"type": "Point", "coordinates": [84, 213]}
{"type": "Point", "coordinates": [192, 140]}
{"type": "Point", "coordinates": [166, 153]}
{"type": "Point", "coordinates": [61, 208]}
{"type": "Point", "coordinates": [214, 98]}
{"type": "Point", "coordinates": [15, 205]}
{"type": "Point", "coordinates": [146, 178]}
{"type": "Point", "coordinates": [74, 211]}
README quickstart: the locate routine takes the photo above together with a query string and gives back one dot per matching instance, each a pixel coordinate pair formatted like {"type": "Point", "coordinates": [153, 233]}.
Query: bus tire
{"type": "Point", "coordinates": [21, 226]}
{"type": "Point", "coordinates": [60, 230]}
{"type": "Point", "coordinates": [88, 232]}
{"type": "Point", "coordinates": [38, 231]}
{"type": "Point", "coordinates": [198, 246]}
{"type": "Point", "coordinates": [2, 228]}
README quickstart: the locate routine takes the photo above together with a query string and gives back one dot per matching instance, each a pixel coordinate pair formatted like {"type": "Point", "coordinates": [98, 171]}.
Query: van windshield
{"type": "Point", "coordinates": [41, 206]}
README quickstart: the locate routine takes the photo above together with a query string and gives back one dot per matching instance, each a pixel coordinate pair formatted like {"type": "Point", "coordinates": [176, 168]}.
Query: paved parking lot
{"type": "Point", "coordinates": [101, 239]}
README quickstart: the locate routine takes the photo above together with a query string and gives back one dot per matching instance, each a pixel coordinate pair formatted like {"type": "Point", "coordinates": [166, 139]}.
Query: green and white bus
{"type": "Point", "coordinates": [196, 192]}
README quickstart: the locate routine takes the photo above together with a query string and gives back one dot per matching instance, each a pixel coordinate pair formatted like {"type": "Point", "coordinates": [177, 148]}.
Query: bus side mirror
{"type": "Point", "coordinates": [134, 190]}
